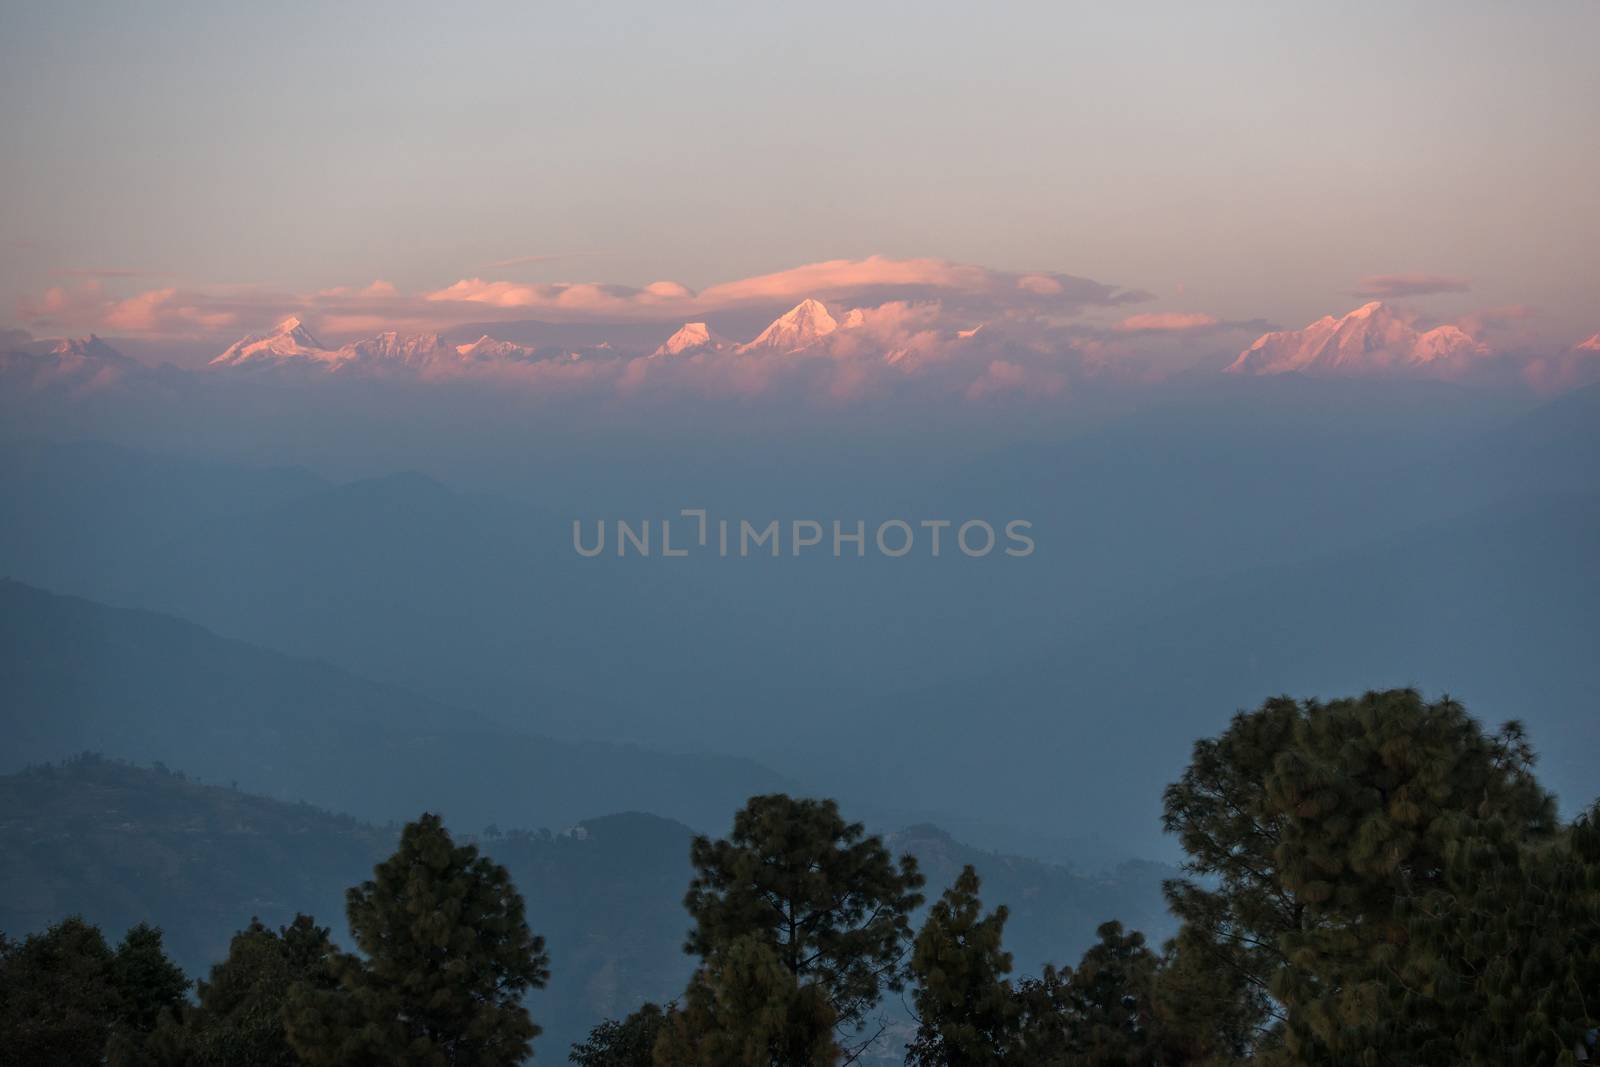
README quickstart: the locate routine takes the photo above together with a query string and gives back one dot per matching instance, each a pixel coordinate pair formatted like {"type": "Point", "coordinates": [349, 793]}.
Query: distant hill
{"type": "Point", "coordinates": [80, 676]}
{"type": "Point", "coordinates": [1054, 911]}
{"type": "Point", "coordinates": [119, 844]}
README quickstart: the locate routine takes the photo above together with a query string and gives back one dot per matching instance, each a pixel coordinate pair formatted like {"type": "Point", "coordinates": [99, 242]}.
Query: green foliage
{"type": "Point", "coordinates": [238, 1021]}
{"type": "Point", "coordinates": [745, 1008]}
{"type": "Point", "coordinates": [448, 957]}
{"type": "Point", "coordinates": [67, 998]}
{"type": "Point", "coordinates": [57, 999]}
{"type": "Point", "coordinates": [628, 1043]}
{"type": "Point", "coordinates": [825, 903]}
{"type": "Point", "coordinates": [1235, 907]}
{"type": "Point", "coordinates": [1209, 1013]}
{"type": "Point", "coordinates": [1109, 999]}
{"type": "Point", "coordinates": [150, 987]}
{"type": "Point", "coordinates": [119, 843]}
{"type": "Point", "coordinates": [1390, 882]}
{"type": "Point", "coordinates": [964, 1004]}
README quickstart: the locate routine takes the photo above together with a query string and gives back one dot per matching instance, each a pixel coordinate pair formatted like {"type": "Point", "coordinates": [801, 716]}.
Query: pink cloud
{"type": "Point", "coordinates": [1167, 322]}
{"type": "Point", "coordinates": [156, 311]}
{"type": "Point", "coordinates": [873, 280]}
{"type": "Point", "coordinates": [962, 293]}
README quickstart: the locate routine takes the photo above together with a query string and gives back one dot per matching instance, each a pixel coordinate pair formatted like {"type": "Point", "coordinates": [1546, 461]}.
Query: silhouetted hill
{"type": "Point", "coordinates": [80, 676]}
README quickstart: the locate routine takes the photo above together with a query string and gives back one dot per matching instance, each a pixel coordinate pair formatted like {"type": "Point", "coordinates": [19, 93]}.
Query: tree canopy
{"type": "Point", "coordinates": [823, 901]}
{"type": "Point", "coordinates": [446, 958]}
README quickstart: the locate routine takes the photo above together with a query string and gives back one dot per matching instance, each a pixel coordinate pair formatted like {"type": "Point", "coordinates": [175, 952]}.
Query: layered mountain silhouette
{"type": "Point", "coordinates": [82, 676]}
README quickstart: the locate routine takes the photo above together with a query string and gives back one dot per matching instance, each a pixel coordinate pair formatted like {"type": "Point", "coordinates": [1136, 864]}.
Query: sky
{"type": "Point", "coordinates": [1242, 161]}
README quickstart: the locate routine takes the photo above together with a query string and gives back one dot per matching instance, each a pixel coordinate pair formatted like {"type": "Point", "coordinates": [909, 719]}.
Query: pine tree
{"type": "Point", "coordinates": [1046, 1029]}
{"type": "Point", "coordinates": [1500, 964]}
{"type": "Point", "coordinates": [58, 1002]}
{"type": "Point", "coordinates": [965, 1007]}
{"type": "Point", "coordinates": [1206, 1012]}
{"type": "Point", "coordinates": [1110, 1000]}
{"type": "Point", "coordinates": [628, 1042]}
{"type": "Point", "coordinates": [828, 903]}
{"type": "Point", "coordinates": [1357, 861]}
{"type": "Point", "coordinates": [66, 997]}
{"type": "Point", "coordinates": [1375, 794]}
{"type": "Point", "coordinates": [1234, 907]}
{"type": "Point", "coordinates": [745, 1008]}
{"type": "Point", "coordinates": [150, 987]}
{"type": "Point", "coordinates": [238, 1020]}
{"type": "Point", "coordinates": [447, 958]}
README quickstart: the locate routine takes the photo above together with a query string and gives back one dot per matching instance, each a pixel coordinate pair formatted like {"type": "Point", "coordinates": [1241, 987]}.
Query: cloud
{"type": "Point", "coordinates": [1167, 322]}
{"type": "Point", "coordinates": [1485, 320]}
{"type": "Point", "coordinates": [155, 312]}
{"type": "Point", "coordinates": [874, 280]}
{"type": "Point", "coordinates": [1390, 286]}
{"type": "Point", "coordinates": [871, 282]}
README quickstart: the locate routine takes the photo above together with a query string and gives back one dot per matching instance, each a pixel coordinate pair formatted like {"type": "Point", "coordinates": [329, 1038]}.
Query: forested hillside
{"type": "Point", "coordinates": [120, 844]}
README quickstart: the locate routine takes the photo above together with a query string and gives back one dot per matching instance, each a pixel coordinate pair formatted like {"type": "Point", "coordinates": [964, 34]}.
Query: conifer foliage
{"type": "Point", "coordinates": [238, 1021]}
{"type": "Point", "coordinates": [797, 892]}
{"type": "Point", "coordinates": [966, 1012]}
{"type": "Point", "coordinates": [67, 997]}
{"type": "Point", "coordinates": [446, 959]}
{"type": "Point", "coordinates": [1393, 882]}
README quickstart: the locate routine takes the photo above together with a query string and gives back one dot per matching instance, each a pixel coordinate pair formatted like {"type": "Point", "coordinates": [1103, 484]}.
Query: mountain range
{"type": "Point", "coordinates": [80, 675]}
{"type": "Point", "coordinates": [1375, 340]}
{"type": "Point", "coordinates": [1249, 491]}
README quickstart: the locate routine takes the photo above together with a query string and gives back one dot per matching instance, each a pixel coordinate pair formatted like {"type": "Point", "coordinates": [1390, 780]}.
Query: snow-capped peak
{"type": "Point", "coordinates": [390, 347]}
{"type": "Point", "coordinates": [691, 337]}
{"type": "Point", "coordinates": [289, 341]}
{"type": "Point", "coordinates": [91, 347]}
{"type": "Point", "coordinates": [1371, 339]}
{"type": "Point", "coordinates": [486, 349]}
{"type": "Point", "coordinates": [804, 324]}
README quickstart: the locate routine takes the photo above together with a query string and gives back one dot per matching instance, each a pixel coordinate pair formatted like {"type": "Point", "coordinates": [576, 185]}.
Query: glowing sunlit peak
{"type": "Point", "coordinates": [804, 324]}
{"type": "Point", "coordinates": [691, 337]}
{"type": "Point", "coordinates": [1369, 340]}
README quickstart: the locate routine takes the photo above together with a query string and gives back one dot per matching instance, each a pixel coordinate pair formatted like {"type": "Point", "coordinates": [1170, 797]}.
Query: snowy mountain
{"type": "Point", "coordinates": [89, 348]}
{"type": "Point", "coordinates": [289, 342]}
{"type": "Point", "coordinates": [392, 349]}
{"type": "Point", "coordinates": [691, 338]}
{"type": "Point", "coordinates": [802, 326]}
{"type": "Point", "coordinates": [487, 350]}
{"type": "Point", "coordinates": [71, 362]}
{"type": "Point", "coordinates": [1373, 339]}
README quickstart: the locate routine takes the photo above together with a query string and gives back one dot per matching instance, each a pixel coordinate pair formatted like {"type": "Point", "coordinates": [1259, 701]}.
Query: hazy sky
{"type": "Point", "coordinates": [1262, 157]}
